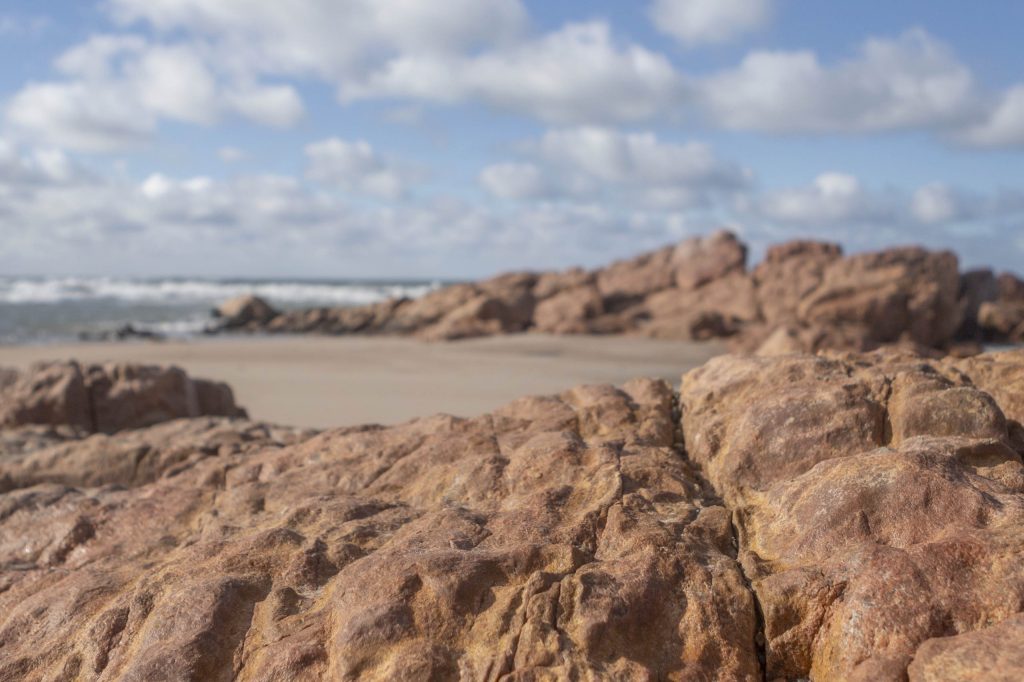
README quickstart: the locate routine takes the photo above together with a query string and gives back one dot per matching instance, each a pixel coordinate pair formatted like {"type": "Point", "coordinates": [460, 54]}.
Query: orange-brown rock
{"type": "Point", "coordinates": [788, 274]}
{"type": "Point", "coordinates": [556, 538]}
{"type": "Point", "coordinates": [111, 397]}
{"type": "Point", "coordinates": [700, 260]}
{"type": "Point", "coordinates": [570, 311]}
{"type": "Point", "coordinates": [245, 311]}
{"type": "Point", "coordinates": [994, 654]}
{"type": "Point", "coordinates": [803, 297]}
{"type": "Point", "coordinates": [900, 294]}
{"type": "Point", "coordinates": [879, 503]}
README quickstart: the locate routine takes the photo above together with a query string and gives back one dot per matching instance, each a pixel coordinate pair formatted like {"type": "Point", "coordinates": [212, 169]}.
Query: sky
{"type": "Point", "coordinates": [459, 138]}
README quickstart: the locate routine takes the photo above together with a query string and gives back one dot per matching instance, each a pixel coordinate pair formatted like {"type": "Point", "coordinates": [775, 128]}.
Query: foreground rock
{"type": "Point", "coordinates": [108, 398]}
{"type": "Point", "coordinates": [879, 501]}
{"type": "Point", "coordinates": [556, 538]}
{"type": "Point", "coordinates": [803, 297]}
{"type": "Point", "coordinates": [839, 517]}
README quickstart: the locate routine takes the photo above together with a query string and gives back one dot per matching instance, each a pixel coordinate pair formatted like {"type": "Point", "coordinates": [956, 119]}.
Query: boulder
{"type": "Point", "coordinates": [719, 309]}
{"type": "Point", "coordinates": [627, 282]}
{"type": "Point", "coordinates": [109, 398]}
{"type": "Point", "coordinates": [245, 311]}
{"type": "Point", "coordinates": [701, 260]}
{"type": "Point", "coordinates": [569, 312]}
{"type": "Point", "coordinates": [788, 274]}
{"type": "Point", "coordinates": [899, 294]}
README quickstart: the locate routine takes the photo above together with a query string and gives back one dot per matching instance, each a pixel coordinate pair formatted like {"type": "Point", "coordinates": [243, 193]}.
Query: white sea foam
{"type": "Point", "coordinates": [185, 291]}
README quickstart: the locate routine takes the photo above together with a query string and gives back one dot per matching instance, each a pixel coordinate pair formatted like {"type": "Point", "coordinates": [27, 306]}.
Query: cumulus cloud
{"type": "Point", "coordinates": [1003, 125]}
{"type": "Point", "coordinates": [356, 167]}
{"type": "Point", "coordinates": [906, 82]}
{"type": "Point", "coordinates": [636, 167]}
{"type": "Point", "coordinates": [576, 74]}
{"type": "Point", "coordinates": [328, 38]}
{"type": "Point", "coordinates": [119, 87]}
{"type": "Point", "coordinates": [700, 22]}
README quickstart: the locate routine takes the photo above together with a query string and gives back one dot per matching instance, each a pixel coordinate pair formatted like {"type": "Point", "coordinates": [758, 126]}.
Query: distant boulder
{"type": "Point", "coordinates": [109, 398]}
{"type": "Point", "coordinates": [244, 311]}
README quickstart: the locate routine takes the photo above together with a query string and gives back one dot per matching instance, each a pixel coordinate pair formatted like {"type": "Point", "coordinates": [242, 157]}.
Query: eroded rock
{"type": "Point", "coordinates": [879, 501]}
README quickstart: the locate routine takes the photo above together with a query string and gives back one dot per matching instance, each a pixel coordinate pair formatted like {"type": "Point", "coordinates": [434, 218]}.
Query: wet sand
{"type": "Point", "coordinates": [335, 381]}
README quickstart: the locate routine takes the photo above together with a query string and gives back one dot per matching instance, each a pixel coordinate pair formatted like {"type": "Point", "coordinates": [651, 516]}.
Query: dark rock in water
{"type": "Point", "coordinates": [124, 333]}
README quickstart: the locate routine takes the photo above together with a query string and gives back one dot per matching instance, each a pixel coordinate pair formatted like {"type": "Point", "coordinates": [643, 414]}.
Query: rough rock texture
{"type": "Point", "coordinates": [803, 297]}
{"type": "Point", "coordinates": [879, 502]}
{"type": "Point", "coordinates": [109, 398]}
{"type": "Point", "coordinates": [556, 538]}
{"type": "Point", "coordinates": [833, 517]}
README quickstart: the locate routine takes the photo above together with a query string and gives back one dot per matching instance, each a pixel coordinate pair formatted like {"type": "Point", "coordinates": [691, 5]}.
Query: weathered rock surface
{"type": "Point", "coordinates": [839, 517]}
{"type": "Point", "coordinates": [803, 297]}
{"type": "Point", "coordinates": [556, 538]}
{"type": "Point", "coordinates": [879, 502]}
{"type": "Point", "coordinates": [109, 398]}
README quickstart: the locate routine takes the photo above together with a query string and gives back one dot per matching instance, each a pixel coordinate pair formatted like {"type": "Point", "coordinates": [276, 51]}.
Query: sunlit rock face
{"type": "Point", "coordinates": [834, 517]}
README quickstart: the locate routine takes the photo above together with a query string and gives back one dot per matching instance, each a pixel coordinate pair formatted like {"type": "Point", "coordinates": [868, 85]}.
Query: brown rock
{"type": "Point", "coordinates": [1000, 320]}
{"type": "Point", "coordinates": [701, 260]}
{"type": "Point", "coordinates": [49, 393]}
{"type": "Point", "coordinates": [625, 283]}
{"type": "Point", "coordinates": [551, 283]}
{"type": "Point", "coordinates": [788, 274]}
{"type": "Point", "coordinates": [110, 397]}
{"type": "Point", "coordinates": [995, 654]}
{"type": "Point", "coordinates": [718, 309]}
{"type": "Point", "coordinates": [557, 538]}
{"type": "Point", "coordinates": [245, 311]}
{"type": "Point", "coordinates": [569, 311]}
{"type": "Point", "coordinates": [899, 294]}
{"type": "Point", "coordinates": [857, 476]}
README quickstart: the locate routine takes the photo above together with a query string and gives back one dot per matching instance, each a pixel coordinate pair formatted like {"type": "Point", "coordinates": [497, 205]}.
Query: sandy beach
{"type": "Point", "coordinates": [334, 381]}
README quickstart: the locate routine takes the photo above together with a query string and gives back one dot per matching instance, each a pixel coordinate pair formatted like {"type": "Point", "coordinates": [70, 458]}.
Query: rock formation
{"type": "Point", "coordinates": [804, 296]}
{"type": "Point", "coordinates": [108, 398]}
{"type": "Point", "coordinates": [833, 517]}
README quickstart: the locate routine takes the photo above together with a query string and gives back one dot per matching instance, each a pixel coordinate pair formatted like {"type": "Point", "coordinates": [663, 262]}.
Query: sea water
{"type": "Point", "coordinates": [57, 309]}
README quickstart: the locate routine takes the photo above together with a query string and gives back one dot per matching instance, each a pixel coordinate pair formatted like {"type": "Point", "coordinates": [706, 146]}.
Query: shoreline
{"type": "Point", "coordinates": [325, 382]}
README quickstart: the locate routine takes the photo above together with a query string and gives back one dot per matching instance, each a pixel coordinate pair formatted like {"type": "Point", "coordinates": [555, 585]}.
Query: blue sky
{"type": "Point", "coordinates": [388, 138]}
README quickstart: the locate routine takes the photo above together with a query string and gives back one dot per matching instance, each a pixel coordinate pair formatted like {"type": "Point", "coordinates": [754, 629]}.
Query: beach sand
{"type": "Point", "coordinates": [337, 381]}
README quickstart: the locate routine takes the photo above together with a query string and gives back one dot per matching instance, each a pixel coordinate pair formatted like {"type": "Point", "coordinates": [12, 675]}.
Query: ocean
{"type": "Point", "coordinates": [60, 309]}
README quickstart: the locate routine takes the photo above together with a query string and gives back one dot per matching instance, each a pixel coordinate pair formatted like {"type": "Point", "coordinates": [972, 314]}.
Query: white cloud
{"type": "Point", "coordinates": [1003, 126]}
{"type": "Point", "coordinates": [356, 167]}
{"type": "Point", "coordinates": [832, 199]}
{"type": "Point", "coordinates": [637, 168]}
{"type": "Point", "coordinates": [328, 38]}
{"type": "Point", "coordinates": [907, 82]}
{"type": "Point", "coordinates": [119, 88]}
{"type": "Point", "coordinates": [935, 203]}
{"type": "Point", "coordinates": [700, 22]}
{"type": "Point", "coordinates": [575, 75]}
{"type": "Point", "coordinates": [272, 105]}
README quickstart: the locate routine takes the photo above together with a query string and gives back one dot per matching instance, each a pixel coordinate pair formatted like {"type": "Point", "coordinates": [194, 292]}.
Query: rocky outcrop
{"type": "Point", "coordinates": [556, 538]}
{"type": "Point", "coordinates": [834, 517]}
{"type": "Point", "coordinates": [244, 311]}
{"type": "Point", "coordinates": [109, 398]}
{"type": "Point", "coordinates": [805, 296]}
{"type": "Point", "coordinates": [879, 505]}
